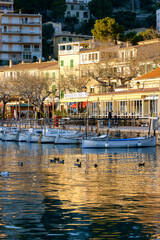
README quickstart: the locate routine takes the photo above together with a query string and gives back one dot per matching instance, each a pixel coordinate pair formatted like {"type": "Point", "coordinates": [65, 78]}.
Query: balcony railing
{"type": "Point", "coordinates": [6, 0]}
{"type": "Point", "coordinates": [20, 32]}
{"type": "Point", "coordinates": [20, 23]}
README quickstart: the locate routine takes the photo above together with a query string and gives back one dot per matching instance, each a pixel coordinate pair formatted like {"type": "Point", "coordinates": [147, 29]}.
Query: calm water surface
{"type": "Point", "coordinates": [43, 200]}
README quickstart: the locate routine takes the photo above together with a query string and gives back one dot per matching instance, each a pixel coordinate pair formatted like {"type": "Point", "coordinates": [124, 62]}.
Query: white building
{"type": "Point", "coordinates": [158, 20]}
{"type": "Point", "coordinates": [78, 9]}
{"type": "Point", "coordinates": [6, 6]}
{"type": "Point", "coordinates": [21, 37]}
{"type": "Point", "coordinates": [73, 1]}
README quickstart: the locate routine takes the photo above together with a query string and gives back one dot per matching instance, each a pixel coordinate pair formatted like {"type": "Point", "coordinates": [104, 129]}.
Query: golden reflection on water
{"type": "Point", "coordinates": [117, 189]}
{"type": "Point", "coordinates": [118, 186]}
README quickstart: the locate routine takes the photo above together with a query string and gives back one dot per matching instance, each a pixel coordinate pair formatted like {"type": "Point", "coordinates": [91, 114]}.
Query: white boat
{"type": "Point", "coordinates": [49, 135]}
{"type": "Point", "coordinates": [105, 142]}
{"type": "Point", "coordinates": [2, 129]}
{"type": "Point", "coordinates": [10, 134]}
{"type": "Point", "coordinates": [22, 135]}
{"type": "Point", "coordinates": [70, 138]}
{"type": "Point", "coordinates": [34, 135]}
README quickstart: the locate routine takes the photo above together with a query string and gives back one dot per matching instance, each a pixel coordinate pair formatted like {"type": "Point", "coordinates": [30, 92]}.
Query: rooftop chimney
{"type": "Point", "coordinates": [20, 11]}
{"type": "Point", "coordinates": [22, 62]}
{"type": "Point", "coordinates": [10, 63]}
{"type": "Point", "coordinates": [40, 60]}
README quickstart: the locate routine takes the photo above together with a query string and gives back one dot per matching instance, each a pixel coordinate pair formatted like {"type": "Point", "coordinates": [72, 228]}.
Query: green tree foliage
{"type": "Point", "coordinates": [47, 31]}
{"type": "Point", "coordinates": [106, 29]}
{"type": "Point", "coordinates": [47, 41]}
{"type": "Point", "coordinates": [100, 8]}
{"type": "Point", "coordinates": [147, 5]}
{"type": "Point", "coordinates": [117, 4]}
{"type": "Point", "coordinates": [70, 23]}
{"type": "Point", "coordinates": [86, 26]}
{"type": "Point", "coordinates": [56, 7]}
{"type": "Point", "coordinates": [134, 38]}
{"type": "Point", "coordinates": [126, 18]}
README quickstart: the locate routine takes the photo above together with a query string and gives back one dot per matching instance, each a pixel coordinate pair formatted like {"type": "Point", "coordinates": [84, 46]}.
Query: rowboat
{"type": "Point", "coordinates": [105, 142]}
{"type": "Point", "coordinates": [10, 134]}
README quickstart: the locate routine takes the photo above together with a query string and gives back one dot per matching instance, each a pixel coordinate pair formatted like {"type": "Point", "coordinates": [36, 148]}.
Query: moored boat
{"type": "Point", "coordinates": [10, 134]}
{"type": "Point", "coordinates": [105, 142]}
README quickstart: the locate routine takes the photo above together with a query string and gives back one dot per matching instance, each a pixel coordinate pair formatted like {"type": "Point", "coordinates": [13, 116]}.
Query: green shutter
{"type": "Point", "coordinates": [53, 89]}
{"type": "Point", "coordinates": [47, 89]}
{"type": "Point", "coordinates": [54, 76]}
{"type": "Point", "coordinates": [62, 63]}
{"type": "Point", "coordinates": [62, 94]}
{"type": "Point", "coordinates": [71, 63]}
{"type": "Point", "coordinates": [47, 75]}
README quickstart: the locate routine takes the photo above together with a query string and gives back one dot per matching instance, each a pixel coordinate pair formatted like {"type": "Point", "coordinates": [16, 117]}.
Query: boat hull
{"type": "Point", "coordinates": [9, 137]}
{"type": "Point", "coordinates": [120, 143]}
{"type": "Point", "coordinates": [67, 140]}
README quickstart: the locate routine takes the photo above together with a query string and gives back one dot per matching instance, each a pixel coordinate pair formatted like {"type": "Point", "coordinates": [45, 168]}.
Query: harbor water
{"type": "Point", "coordinates": [118, 198]}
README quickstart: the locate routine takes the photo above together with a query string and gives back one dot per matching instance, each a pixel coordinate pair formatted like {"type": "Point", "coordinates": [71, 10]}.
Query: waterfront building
{"type": "Point", "coordinates": [21, 37]}
{"type": "Point", "coordinates": [67, 37]}
{"type": "Point", "coordinates": [46, 70]}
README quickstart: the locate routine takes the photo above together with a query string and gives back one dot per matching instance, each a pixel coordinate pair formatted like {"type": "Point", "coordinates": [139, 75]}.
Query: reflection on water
{"type": "Point", "coordinates": [44, 200]}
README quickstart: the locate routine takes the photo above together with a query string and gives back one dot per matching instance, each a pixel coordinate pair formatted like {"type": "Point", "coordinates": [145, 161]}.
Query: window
{"type": "Point", "coordinates": [62, 63]}
{"type": "Point", "coordinates": [54, 77]}
{"type": "Point", "coordinates": [53, 89]}
{"type": "Point", "coordinates": [69, 47]}
{"type": "Point", "coordinates": [77, 14]}
{"type": "Point", "coordinates": [85, 14]}
{"type": "Point", "coordinates": [27, 55]}
{"type": "Point", "coordinates": [62, 48]}
{"type": "Point", "coordinates": [81, 7]}
{"type": "Point", "coordinates": [71, 63]}
{"type": "Point", "coordinates": [64, 39]}
{"type": "Point", "coordinates": [91, 89]}
{"type": "Point", "coordinates": [68, 13]}
{"type": "Point", "coordinates": [72, 7]}
{"type": "Point", "coordinates": [70, 39]}
{"type": "Point", "coordinates": [89, 56]}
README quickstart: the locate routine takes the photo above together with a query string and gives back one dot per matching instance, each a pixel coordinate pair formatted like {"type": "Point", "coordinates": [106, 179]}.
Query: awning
{"type": "Point", "coordinates": [74, 105]}
{"type": "Point", "coordinates": [84, 104]}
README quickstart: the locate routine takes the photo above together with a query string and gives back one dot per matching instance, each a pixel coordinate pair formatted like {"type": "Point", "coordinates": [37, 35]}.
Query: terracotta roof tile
{"type": "Point", "coordinates": [29, 66]}
{"type": "Point", "coordinates": [152, 74]}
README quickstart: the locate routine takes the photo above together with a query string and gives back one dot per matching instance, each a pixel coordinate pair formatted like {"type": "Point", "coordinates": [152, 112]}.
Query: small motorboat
{"type": "Point", "coordinates": [10, 134]}
{"type": "Point", "coordinates": [105, 142]}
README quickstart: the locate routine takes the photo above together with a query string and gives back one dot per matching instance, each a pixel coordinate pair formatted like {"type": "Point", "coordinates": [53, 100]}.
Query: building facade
{"type": "Point", "coordinates": [78, 9]}
{"type": "Point", "coordinates": [6, 6]}
{"type": "Point", "coordinates": [21, 37]}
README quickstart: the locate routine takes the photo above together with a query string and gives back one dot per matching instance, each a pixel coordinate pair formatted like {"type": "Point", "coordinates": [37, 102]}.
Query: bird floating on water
{"type": "Point", "coordinates": [54, 160]}
{"type": "Point", "coordinates": [20, 164]}
{"type": "Point", "coordinates": [78, 164]}
{"type": "Point", "coordinates": [61, 161]}
{"type": "Point", "coordinates": [95, 165]}
{"type": "Point", "coordinates": [142, 164]}
{"type": "Point", "coordinates": [4, 174]}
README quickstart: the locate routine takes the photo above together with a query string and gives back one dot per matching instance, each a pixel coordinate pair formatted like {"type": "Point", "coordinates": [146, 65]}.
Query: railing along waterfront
{"type": "Point", "coordinates": [75, 122]}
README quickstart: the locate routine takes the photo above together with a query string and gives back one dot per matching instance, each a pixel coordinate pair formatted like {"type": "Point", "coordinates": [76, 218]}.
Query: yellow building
{"type": "Point", "coordinates": [142, 100]}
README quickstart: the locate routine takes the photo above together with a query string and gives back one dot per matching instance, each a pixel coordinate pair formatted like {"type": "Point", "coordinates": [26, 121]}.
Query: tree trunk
{"type": "Point", "coordinates": [4, 108]}
{"type": "Point", "coordinates": [41, 109]}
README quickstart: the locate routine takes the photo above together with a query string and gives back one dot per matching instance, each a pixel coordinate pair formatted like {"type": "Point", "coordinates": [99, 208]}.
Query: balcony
{"type": "Point", "coordinates": [21, 32]}
{"type": "Point", "coordinates": [11, 50]}
{"type": "Point", "coordinates": [21, 41]}
{"type": "Point", "coordinates": [20, 23]}
{"type": "Point", "coordinates": [6, 1]}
